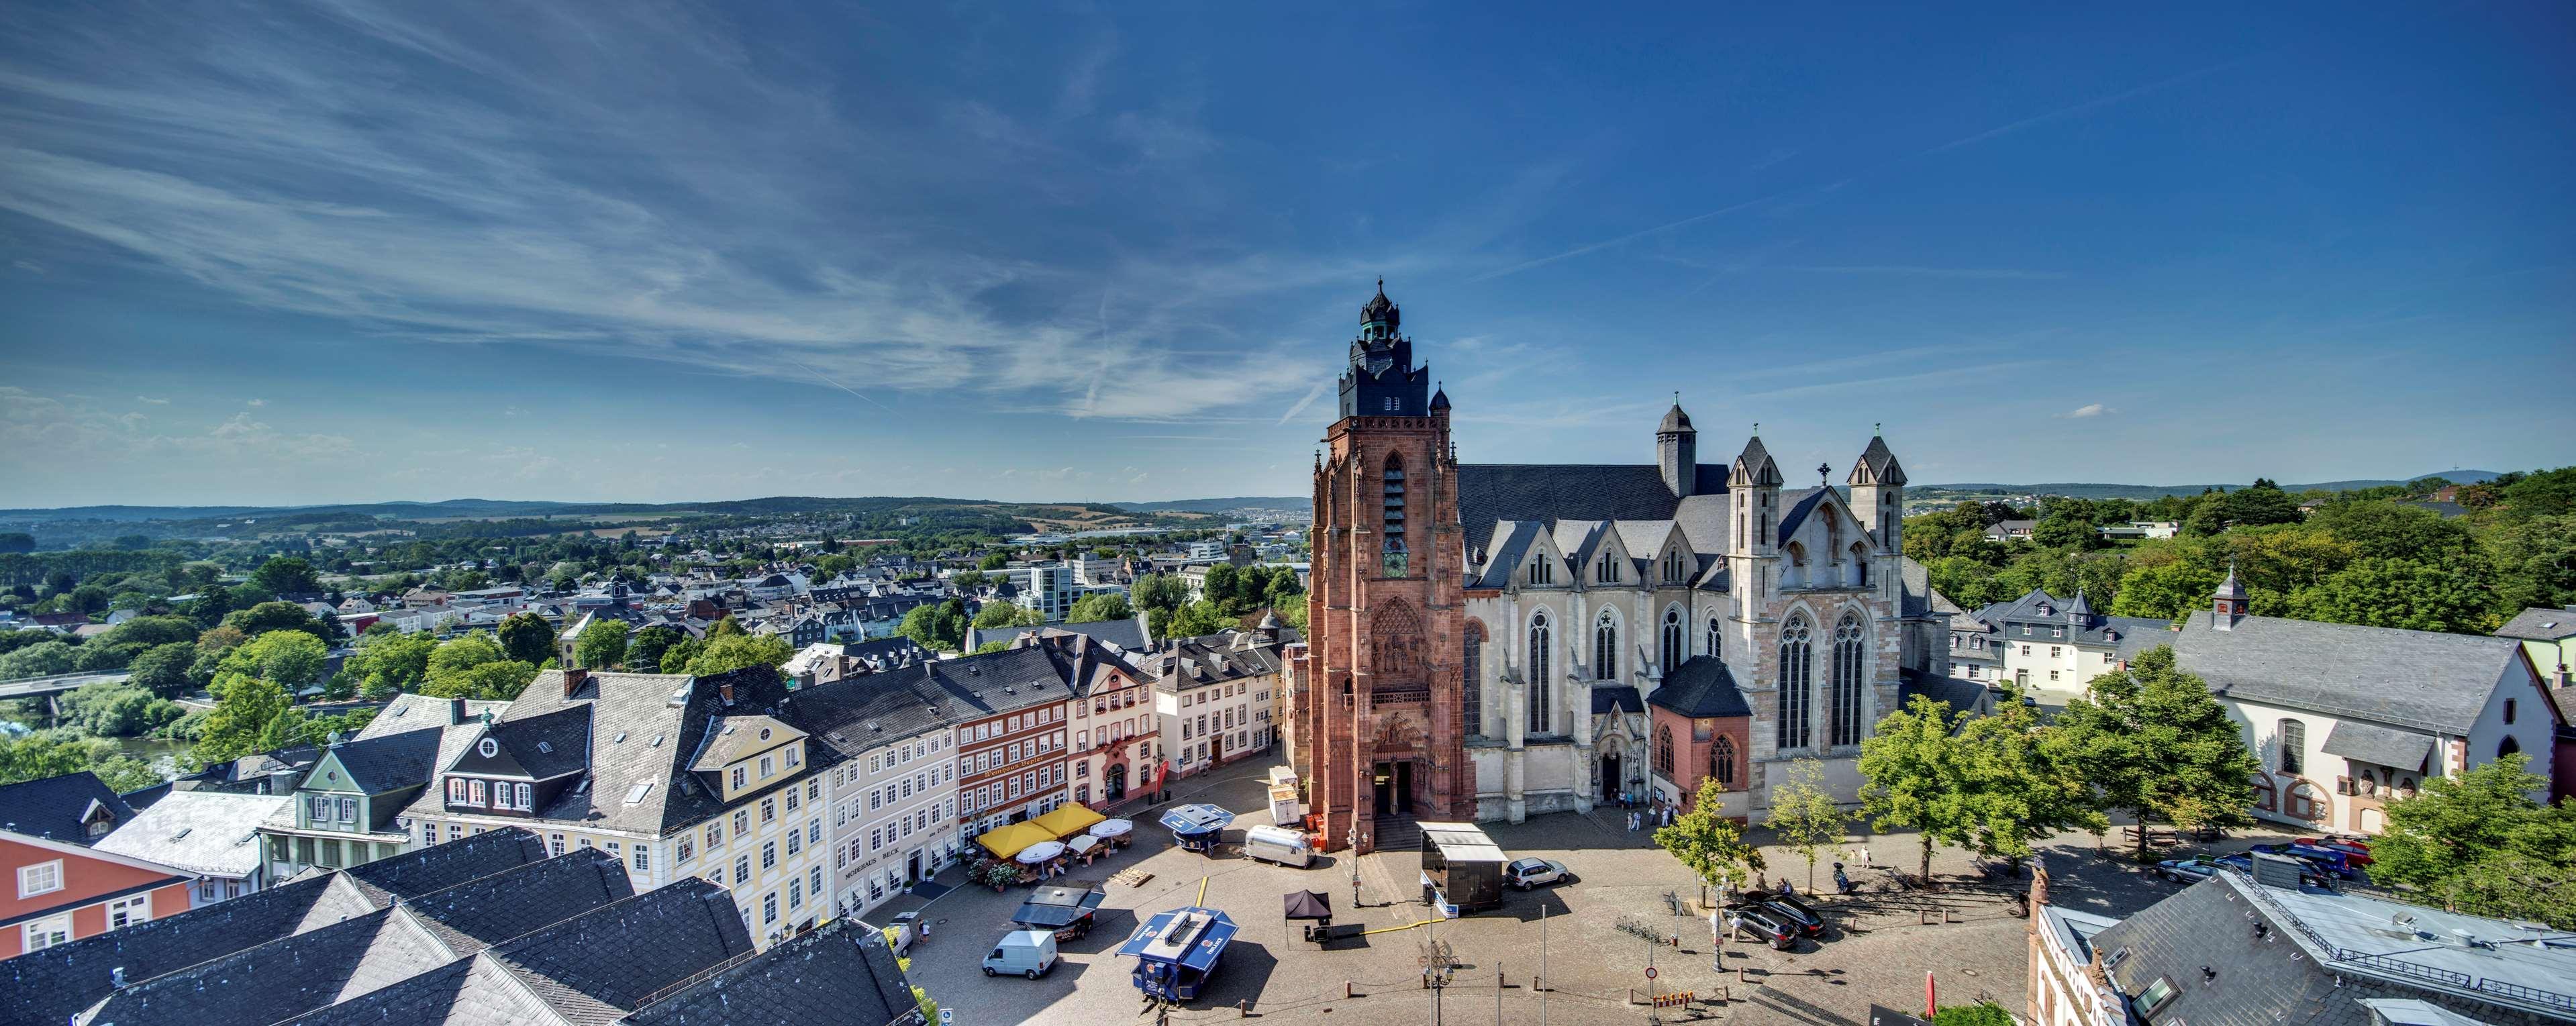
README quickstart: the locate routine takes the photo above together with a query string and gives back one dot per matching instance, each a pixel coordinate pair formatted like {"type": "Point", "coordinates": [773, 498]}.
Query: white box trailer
{"type": "Point", "coordinates": [1287, 809]}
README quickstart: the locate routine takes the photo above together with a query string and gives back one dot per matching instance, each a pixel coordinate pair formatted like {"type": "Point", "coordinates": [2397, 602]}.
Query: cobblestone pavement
{"type": "Point", "coordinates": [1593, 934]}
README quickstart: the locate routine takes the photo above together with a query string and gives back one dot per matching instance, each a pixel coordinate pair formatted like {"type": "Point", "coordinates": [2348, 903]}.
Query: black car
{"type": "Point", "coordinates": [1764, 924]}
{"type": "Point", "coordinates": [1798, 913]}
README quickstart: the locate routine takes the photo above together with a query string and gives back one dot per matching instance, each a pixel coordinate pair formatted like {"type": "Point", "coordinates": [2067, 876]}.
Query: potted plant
{"type": "Point", "coordinates": [1000, 875]}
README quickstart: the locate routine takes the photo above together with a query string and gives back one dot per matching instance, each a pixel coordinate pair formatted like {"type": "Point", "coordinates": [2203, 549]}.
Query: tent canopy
{"type": "Point", "coordinates": [1007, 841]}
{"type": "Point", "coordinates": [1307, 905]}
{"type": "Point", "coordinates": [1068, 820]}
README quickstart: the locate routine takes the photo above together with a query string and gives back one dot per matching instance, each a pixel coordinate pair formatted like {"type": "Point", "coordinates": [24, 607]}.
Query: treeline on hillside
{"type": "Point", "coordinates": [2360, 557]}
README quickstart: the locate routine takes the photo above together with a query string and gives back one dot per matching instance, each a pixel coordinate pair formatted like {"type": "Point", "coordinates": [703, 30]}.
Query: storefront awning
{"type": "Point", "coordinates": [1067, 821]}
{"type": "Point", "coordinates": [1007, 841]}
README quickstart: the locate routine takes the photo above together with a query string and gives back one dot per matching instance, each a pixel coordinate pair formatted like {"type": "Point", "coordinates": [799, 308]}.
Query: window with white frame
{"type": "Point", "coordinates": [40, 878]}
{"type": "Point", "coordinates": [45, 933]}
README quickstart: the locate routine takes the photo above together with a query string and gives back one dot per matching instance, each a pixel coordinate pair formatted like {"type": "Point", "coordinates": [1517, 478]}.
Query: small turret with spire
{"type": "Point", "coordinates": [2228, 605]}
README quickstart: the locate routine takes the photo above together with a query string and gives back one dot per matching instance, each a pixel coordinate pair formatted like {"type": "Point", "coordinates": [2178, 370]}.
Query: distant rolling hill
{"type": "Point", "coordinates": [2085, 490]}
{"type": "Point", "coordinates": [1264, 502]}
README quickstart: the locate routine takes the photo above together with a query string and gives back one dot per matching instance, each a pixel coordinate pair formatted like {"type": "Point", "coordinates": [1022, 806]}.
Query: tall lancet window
{"type": "Point", "coordinates": [1472, 706]}
{"type": "Point", "coordinates": [1714, 651]}
{"type": "Point", "coordinates": [1796, 682]}
{"type": "Point", "coordinates": [1394, 517]}
{"type": "Point", "coordinates": [1539, 668]}
{"type": "Point", "coordinates": [1850, 663]}
{"type": "Point", "coordinates": [1673, 653]}
{"type": "Point", "coordinates": [1605, 647]}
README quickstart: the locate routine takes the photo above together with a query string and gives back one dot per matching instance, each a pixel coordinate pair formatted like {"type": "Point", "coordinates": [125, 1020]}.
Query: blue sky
{"type": "Point", "coordinates": [347, 252]}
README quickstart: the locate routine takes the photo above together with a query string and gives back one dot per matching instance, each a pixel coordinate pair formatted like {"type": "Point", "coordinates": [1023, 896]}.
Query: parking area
{"type": "Point", "coordinates": [1597, 935]}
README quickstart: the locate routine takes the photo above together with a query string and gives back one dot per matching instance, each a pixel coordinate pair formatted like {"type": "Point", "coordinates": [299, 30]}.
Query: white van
{"type": "Point", "coordinates": [1030, 953]}
{"type": "Point", "coordinates": [1277, 844]}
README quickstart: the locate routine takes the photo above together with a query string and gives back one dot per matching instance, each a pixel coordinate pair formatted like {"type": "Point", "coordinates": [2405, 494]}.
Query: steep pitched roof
{"type": "Point", "coordinates": [545, 746]}
{"type": "Point", "coordinates": [2421, 679]}
{"type": "Point", "coordinates": [1876, 466]}
{"type": "Point", "coordinates": [591, 970]}
{"type": "Point", "coordinates": [842, 972]}
{"type": "Point", "coordinates": [44, 988]}
{"type": "Point", "coordinates": [1701, 687]}
{"type": "Point", "coordinates": [441, 866]}
{"type": "Point", "coordinates": [1547, 493]}
{"type": "Point", "coordinates": [391, 762]}
{"type": "Point", "coordinates": [1128, 634]}
{"type": "Point", "coordinates": [1754, 467]}
{"type": "Point", "coordinates": [54, 808]}
{"type": "Point", "coordinates": [2540, 625]}
{"type": "Point", "coordinates": [207, 832]}
{"type": "Point", "coordinates": [292, 975]}
{"type": "Point", "coordinates": [480, 913]}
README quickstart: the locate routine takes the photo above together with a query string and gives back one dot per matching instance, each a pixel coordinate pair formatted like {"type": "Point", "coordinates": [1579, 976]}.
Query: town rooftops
{"type": "Point", "coordinates": [438, 867]}
{"type": "Point", "coordinates": [842, 972]}
{"type": "Point", "coordinates": [2232, 950]}
{"type": "Point", "coordinates": [61, 808]}
{"type": "Point", "coordinates": [205, 832]}
{"type": "Point", "coordinates": [480, 913]}
{"type": "Point", "coordinates": [1127, 634]}
{"type": "Point", "coordinates": [737, 738]}
{"type": "Point", "coordinates": [2540, 625]}
{"type": "Point", "coordinates": [44, 988]}
{"type": "Point", "coordinates": [282, 978]}
{"type": "Point", "coordinates": [388, 762]}
{"type": "Point", "coordinates": [2421, 679]}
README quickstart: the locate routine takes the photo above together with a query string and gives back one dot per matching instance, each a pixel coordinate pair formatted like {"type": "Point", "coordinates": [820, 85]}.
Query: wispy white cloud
{"type": "Point", "coordinates": [256, 403]}
{"type": "Point", "coordinates": [2085, 411]}
{"type": "Point", "coordinates": [151, 400]}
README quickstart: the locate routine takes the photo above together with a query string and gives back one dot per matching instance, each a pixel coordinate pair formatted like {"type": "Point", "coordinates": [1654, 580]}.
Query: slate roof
{"type": "Point", "coordinates": [637, 735]}
{"type": "Point", "coordinates": [51, 807]}
{"type": "Point", "coordinates": [204, 832]}
{"type": "Point", "coordinates": [592, 970]}
{"type": "Point", "coordinates": [2386, 746]}
{"type": "Point", "coordinates": [441, 866]}
{"type": "Point", "coordinates": [1185, 663]}
{"type": "Point", "coordinates": [1547, 493]}
{"type": "Point", "coordinates": [2042, 611]}
{"type": "Point", "coordinates": [547, 746]}
{"type": "Point", "coordinates": [478, 914]}
{"type": "Point", "coordinates": [1799, 505]}
{"type": "Point", "coordinates": [1876, 465]}
{"type": "Point", "coordinates": [391, 762]}
{"type": "Point", "coordinates": [842, 972]}
{"type": "Point", "coordinates": [2321, 954]}
{"type": "Point", "coordinates": [1126, 634]}
{"type": "Point", "coordinates": [1962, 695]}
{"type": "Point", "coordinates": [476, 991]}
{"type": "Point", "coordinates": [2421, 679]}
{"type": "Point", "coordinates": [738, 737]}
{"type": "Point", "coordinates": [2540, 625]}
{"type": "Point", "coordinates": [1616, 698]}
{"type": "Point", "coordinates": [44, 988]}
{"type": "Point", "coordinates": [1701, 687]}
{"type": "Point", "coordinates": [290, 976]}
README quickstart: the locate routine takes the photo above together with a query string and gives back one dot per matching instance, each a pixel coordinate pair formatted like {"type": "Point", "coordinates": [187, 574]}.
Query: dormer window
{"type": "Point", "coordinates": [478, 794]}
{"type": "Point", "coordinates": [741, 777]}
{"type": "Point", "coordinates": [455, 791]}
{"type": "Point", "coordinates": [791, 758]}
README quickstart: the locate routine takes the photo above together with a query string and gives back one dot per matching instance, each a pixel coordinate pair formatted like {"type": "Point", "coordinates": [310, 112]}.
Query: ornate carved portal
{"type": "Point", "coordinates": [1398, 670]}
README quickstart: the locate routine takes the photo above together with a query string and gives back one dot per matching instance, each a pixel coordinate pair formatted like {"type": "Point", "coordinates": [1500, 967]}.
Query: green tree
{"type": "Point", "coordinates": [737, 651]}
{"type": "Point", "coordinates": [2480, 844]}
{"type": "Point", "coordinates": [1983, 1013]}
{"type": "Point", "coordinates": [293, 659]}
{"type": "Point", "coordinates": [286, 575]}
{"type": "Point", "coordinates": [528, 638]}
{"type": "Point", "coordinates": [163, 669]}
{"type": "Point", "coordinates": [2455, 597]}
{"type": "Point", "coordinates": [2020, 788]}
{"type": "Point", "coordinates": [725, 625]}
{"type": "Point", "coordinates": [2165, 590]}
{"type": "Point", "coordinates": [147, 631]}
{"type": "Point", "coordinates": [38, 660]}
{"type": "Point", "coordinates": [992, 561]}
{"type": "Point", "coordinates": [455, 658]}
{"type": "Point", "coordinates": [52, 753]}
{"type": "Point", "coordinates": [1224, 587]}
{"type": "Point", "coordinates": [496, 680]}
{"type": "Point", "coordinates": [1710, 845]}
{"type": "Point", "coordinates": [602, 645]}
{"type": "Point", "coordinates": [385, 664]}
{"type": "Point", "coordinates": [1804, 816]}
{"type": "Point", "coordinates": [17, 541]}
{"type": "Point", "coordinates": [1107, 605]}
{"type": "Point", "coordinates": [274, 616]}
{"type": "Point", "coordinates": [1159, 592]}
{"type": "Point", "coordinates": [967, 580]}
{"type": "Point", "coordinates": [1004, 614]}
{"type": "Point", "coordinates": [940, 627]}
{"type": "Point", "coordinates": [644, 650]}
{"type": "Point", "coordinates": [675, 658]}
{"type": "Point", "coordinates": [2153, 742]}
{"type": "Point", "coordinates": [244, 705]}
{"type": "Point", "coordinates": [116, 709]}
{"type": "Point", "coordinates": [1197, 619]}
{"type": "Point", "coordinates": [1917, 777]}
{"type": "Point", "coordinates": [2065, 531]}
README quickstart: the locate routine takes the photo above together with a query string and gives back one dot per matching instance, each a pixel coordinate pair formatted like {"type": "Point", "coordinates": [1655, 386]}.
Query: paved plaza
{"type": "Point", "coordinates": [1593, 935]}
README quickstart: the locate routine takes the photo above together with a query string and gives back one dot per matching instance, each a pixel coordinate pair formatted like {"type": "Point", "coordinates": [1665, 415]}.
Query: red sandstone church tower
{"type": "Point", "coordinates": [1375, 716]}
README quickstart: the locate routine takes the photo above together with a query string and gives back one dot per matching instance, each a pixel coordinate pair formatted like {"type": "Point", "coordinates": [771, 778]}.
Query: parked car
{"type": "Point", "coordinates": [2309, 873]}
{"type": "Point", "coordinates": [2193, 870]}
{"type": "Point", "coordinates": [2328, 859]}
{"type": "Point", "coordinates": [1030, 953]}
{"type": "Point", "coordinates": [1528, 873]}
{"type": "Point", "coordinates": [2356, 852]}
{"type": "Point", "coordinates": [1799, 915]}
{"type": "Point", "coordinates": [1762, 924]}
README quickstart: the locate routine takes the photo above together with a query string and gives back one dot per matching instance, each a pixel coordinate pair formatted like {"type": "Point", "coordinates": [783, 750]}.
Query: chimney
{"type": "Point", "coordinates": [455, 710]}
{"type": "Point", "coordinates": [573, 677]}
{"type": "Point", "coordinates": [724, 689]}
{"type": "Point", "coordinates": [281, 781]}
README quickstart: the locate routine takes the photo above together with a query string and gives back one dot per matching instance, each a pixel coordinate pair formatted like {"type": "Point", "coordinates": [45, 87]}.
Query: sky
{"type": "Point", "coordinates": [286, 253]}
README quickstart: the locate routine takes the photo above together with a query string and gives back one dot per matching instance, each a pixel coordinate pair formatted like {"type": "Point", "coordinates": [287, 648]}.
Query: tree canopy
{"type": "Point", "coordinates": [2480, 844]}
{"type": "Point", "coordinates": [2152, 741]}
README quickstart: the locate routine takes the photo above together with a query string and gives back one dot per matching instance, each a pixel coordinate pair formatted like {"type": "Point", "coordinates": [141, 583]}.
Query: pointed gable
{"type": "Point", "coordinates": [1754, 468]}
{"type": "Point", "coordinates": [1876, 466]}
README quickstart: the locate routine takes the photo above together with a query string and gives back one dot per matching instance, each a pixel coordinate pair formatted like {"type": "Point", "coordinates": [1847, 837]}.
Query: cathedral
{"type": "Point", "coordinates": [1496, 641]}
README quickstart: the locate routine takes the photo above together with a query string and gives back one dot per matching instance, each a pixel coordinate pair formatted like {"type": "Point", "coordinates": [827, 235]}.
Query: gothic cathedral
{"type": "Point", "coordinates": [1495, 641]}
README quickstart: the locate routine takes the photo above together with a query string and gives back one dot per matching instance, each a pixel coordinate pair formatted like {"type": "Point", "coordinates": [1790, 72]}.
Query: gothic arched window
{"type": "Point", "coordinates": [1860, 564]}
{"type": "Point", "coordinates": [1849, 663]}
{"type": "Point", "coordinates": [1609, 570]}
{"type": "Point", "coordinates": [1673, 653]}
{"type": "Point", "coordinates": [1796, 680]}
{"type": "Point", "coordinates": [1673, 565]}
{"type": "Point", "coordinates": [1472, 705]}
{"type": "Point", "coordinates": [1605, 647]}
{"type": "Point", "coordinates": [1713, 651]}
{"type": "Point", "coordinates": [1721, 761]}
{"type": "Point", "coordinates": [1664, 751]}
{"type": "Point", "coordinates": [1538, 673]}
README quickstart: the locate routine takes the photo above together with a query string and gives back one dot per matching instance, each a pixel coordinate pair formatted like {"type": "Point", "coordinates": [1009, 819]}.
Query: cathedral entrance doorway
{"type": "Point", "coordinates": [1393, 783]}
{"type": "Point", "coordinates": [1610, 777]}
{"type": "Point", "coordinates": [1115, 786]}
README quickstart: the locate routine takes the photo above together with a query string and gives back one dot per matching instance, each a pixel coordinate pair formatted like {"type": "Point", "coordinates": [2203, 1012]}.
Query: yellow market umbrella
{"type": "Point", "coordinates": [1068, 820]}
{"type": "Point", "coordinates": [1007, 841]}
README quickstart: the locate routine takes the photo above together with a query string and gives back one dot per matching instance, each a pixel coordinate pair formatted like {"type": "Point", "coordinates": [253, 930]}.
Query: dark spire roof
{"type": "Point", "coordinates": [1675, 421]}
{"type": "Point", "coordinates": [1754, 468]}
{"type": "Point", "coordinates": [1440, 398]}
{"type": "Point", "coordinates": [2231, 588]}
{"type": "Point", "coordinates": [1876, 466]}
{"type": "Point", "coordinates": [2081, 610]}
{"type": "Point", "coordinates": [1381, 308]}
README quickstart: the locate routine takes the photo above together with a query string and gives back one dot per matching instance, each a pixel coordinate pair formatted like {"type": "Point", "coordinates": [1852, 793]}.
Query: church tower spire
{"type": "Point", "coordinates": [1677, 451]}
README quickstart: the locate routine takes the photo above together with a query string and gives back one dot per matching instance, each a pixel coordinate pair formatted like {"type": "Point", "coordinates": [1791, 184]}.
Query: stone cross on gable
{"type": "Point", "coordinates": [1824, 473]}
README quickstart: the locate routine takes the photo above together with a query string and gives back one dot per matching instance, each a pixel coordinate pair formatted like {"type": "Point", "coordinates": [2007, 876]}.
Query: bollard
{"type": "Point", "coordinates": [1346, 989]}
{"type": "Point", "coordinates": [1243, 1008]}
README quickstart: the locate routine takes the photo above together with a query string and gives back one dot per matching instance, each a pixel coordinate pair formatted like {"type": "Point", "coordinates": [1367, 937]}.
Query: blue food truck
{"type": "Point", "coordinates": [1177, 951]}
